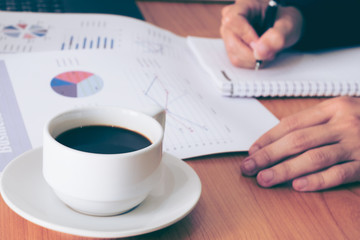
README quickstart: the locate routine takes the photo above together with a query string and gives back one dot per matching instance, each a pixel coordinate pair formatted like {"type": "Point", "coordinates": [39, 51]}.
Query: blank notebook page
{"type": "Point", "coordinates": [329, 73]}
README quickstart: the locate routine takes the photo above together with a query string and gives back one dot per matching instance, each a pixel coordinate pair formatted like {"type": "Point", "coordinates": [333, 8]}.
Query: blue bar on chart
{"type": "Point", "coordinates": [87, 43]}
{"type": "Point", "coordinates": [71, 42]}
{"type": "Point", "coordinates": [84, 43]}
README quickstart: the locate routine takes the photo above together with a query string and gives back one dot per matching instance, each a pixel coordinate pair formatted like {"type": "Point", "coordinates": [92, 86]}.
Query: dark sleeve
{"type": "Point", "coordinates": [329, 24]}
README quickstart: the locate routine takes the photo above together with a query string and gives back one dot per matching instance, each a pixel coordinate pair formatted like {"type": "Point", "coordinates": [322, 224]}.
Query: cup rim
{"type": "Point", "coordinates": [107, 108]}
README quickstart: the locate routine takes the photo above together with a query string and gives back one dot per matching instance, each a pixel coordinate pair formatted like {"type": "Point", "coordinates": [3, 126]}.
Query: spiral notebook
{"type": "Point", "coordinates": [292, 74]}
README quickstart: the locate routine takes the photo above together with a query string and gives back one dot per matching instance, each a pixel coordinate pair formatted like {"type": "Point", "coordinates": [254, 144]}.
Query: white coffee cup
{"type": "Point", "coordinates": [103, 184]}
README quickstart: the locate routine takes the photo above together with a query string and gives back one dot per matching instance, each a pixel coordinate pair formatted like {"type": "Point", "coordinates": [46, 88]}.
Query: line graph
{"type": "Point", "coordinates": [191, 123]}
{"type": "Point", "coordinates": [159, 94]}
{"type": "Point", "coordinates": [196, 121]}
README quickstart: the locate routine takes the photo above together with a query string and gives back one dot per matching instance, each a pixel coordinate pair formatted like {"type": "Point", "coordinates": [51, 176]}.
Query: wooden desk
{"type": "Point", "coordinates": [231, 206]}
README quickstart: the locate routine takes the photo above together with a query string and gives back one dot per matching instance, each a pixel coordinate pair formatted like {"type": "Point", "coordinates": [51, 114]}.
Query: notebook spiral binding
{"type": "Point", "coordinates": [293, 89]}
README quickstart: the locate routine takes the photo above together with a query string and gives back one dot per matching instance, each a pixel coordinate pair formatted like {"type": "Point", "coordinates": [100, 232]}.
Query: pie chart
{"type": "Point", "coordinates": [12, 31]}
{"type": "Point", "coordinates": [24, 31]}
{"type": "Point", "coordinates": [76, 84]}
{"type": "Point", "coordinates": [37, 31]}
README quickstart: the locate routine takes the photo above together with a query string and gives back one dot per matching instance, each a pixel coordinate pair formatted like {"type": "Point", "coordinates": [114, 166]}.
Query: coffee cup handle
{"type": "Point", "coordinates": [156, 112]}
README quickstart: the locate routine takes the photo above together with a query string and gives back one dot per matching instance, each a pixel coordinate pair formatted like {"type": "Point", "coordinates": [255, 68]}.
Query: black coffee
{"type": "Point", "coordinates": [103, 139]}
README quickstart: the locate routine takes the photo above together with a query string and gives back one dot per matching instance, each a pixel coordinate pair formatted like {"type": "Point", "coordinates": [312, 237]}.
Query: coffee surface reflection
{"type": "Point", "coordinates": [103, 139]}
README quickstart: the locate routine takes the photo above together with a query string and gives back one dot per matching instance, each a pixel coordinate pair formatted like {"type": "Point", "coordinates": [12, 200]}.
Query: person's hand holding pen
{"type": "Point", "coordinates": [317, 148]}
{"type": "Point", "coordinates": [245, 39]}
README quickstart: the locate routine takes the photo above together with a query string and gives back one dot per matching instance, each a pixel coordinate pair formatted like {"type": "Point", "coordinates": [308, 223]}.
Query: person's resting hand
{"type": "Point", "coordinates": [316, 149]}
{"type": "Point", "coordinates": [238, 30]}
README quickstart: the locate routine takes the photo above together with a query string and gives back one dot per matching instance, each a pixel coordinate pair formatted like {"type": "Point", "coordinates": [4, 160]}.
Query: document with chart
{"type": "Point", "coordinates": [34, 32]}
{"type": "Point", "coordinates": [156, 68]}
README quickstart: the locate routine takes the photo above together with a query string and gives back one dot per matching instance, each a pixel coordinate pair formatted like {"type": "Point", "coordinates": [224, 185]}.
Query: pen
{"type": "Point", "coordinates": [270, 16]}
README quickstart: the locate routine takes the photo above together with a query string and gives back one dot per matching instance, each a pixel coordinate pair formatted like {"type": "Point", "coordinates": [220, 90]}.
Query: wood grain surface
{"type": "Point", "coordinates": [231, 206]}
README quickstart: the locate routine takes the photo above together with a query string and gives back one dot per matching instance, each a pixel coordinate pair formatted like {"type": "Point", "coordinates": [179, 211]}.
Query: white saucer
{"type": "Point", "coordinates": [25, 191]}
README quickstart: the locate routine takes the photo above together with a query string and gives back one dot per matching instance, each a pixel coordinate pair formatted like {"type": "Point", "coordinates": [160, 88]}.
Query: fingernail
{"type": "Point", "coordinates": [248, 166]}
{"type": "Point", "coordinates": [267, 175]}
{"type": "Point", "coordinates": [300, 184]}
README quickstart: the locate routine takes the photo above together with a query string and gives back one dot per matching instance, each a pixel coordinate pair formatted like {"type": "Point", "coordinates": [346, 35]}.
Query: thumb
{"type": "Point", "coordinates": [286, 32]}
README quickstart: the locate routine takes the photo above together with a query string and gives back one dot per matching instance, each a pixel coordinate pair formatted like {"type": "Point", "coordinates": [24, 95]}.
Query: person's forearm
{"type": "Point", "coordinates": [329, 23]}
